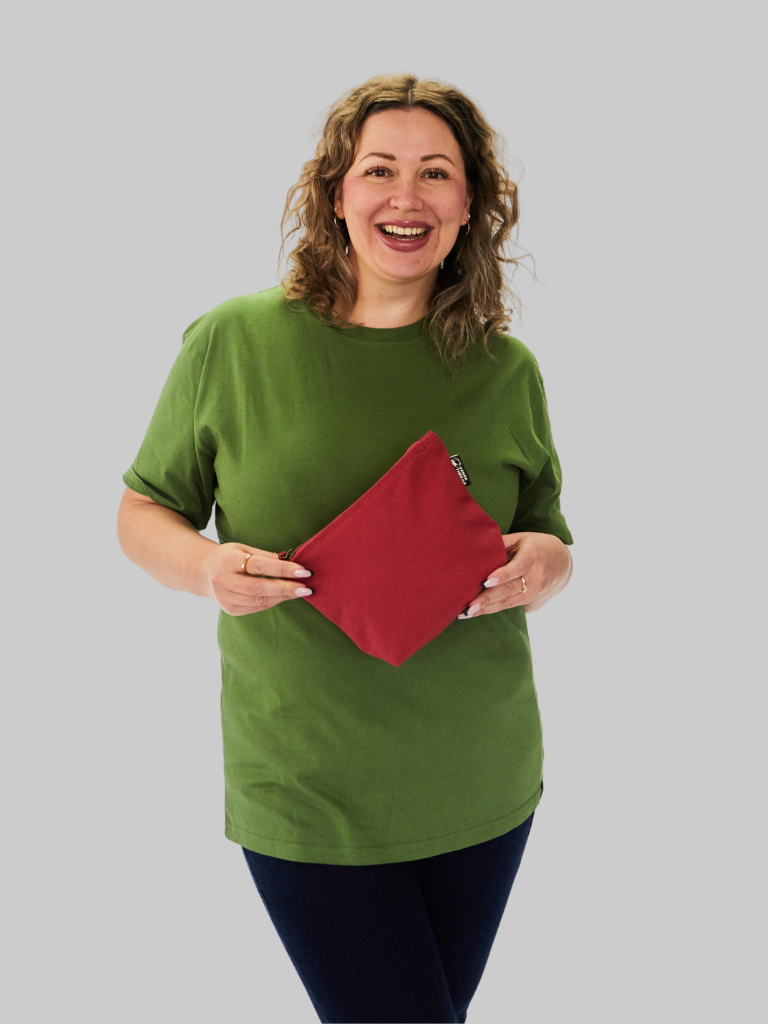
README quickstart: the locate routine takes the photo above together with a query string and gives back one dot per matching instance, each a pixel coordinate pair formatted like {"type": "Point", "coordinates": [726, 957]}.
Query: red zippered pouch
{"type": "Point", "coordinates": [400, 564]}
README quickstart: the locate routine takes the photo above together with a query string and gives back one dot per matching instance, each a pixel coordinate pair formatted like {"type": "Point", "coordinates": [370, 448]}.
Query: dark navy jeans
{"type": "Point", "coordinates": [405, 942]}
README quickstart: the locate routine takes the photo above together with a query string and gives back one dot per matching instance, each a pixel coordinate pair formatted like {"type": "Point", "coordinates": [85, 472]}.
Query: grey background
{"type": "Point", "coordinates": [149, 151]}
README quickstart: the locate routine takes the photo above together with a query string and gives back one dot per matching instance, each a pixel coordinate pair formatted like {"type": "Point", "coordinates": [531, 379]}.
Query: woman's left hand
{"type": "Point", "coordinates": [540, 559]}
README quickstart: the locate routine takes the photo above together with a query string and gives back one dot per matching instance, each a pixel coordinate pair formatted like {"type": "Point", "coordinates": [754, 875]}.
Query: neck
{"type": "Point", "coordinates": [391, 304]}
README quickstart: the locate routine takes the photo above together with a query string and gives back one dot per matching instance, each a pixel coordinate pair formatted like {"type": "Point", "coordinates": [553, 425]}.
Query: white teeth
{"type": "Point", "coordinates": [391, 229]}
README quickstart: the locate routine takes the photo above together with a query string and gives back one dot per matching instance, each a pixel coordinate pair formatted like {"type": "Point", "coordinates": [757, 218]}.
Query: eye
{"type": "Point", "coordinates": [373, 172]}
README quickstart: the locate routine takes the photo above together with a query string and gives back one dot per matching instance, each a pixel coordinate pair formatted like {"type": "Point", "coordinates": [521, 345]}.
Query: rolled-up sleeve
{"type": "Point", "coordinates": [538, 504]}
{"type": "Point", "coordinates": [174, 466]}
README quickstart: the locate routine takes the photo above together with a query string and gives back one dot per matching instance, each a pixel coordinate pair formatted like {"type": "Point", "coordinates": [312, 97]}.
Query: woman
{"type": "Point", "coordinates": [383, 811]}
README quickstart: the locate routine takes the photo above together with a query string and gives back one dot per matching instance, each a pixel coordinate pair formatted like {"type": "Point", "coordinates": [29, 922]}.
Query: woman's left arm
{"type": "Point", "coordinates": [540, 560]}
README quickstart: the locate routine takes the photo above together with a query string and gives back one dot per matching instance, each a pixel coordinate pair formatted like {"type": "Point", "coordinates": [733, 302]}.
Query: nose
{"type": "Point", "coordinates": [405, 196]}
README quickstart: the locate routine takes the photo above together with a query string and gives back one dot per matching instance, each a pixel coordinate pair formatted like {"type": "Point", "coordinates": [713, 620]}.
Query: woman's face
{"type": "Point", "coordinates": [407, 173]}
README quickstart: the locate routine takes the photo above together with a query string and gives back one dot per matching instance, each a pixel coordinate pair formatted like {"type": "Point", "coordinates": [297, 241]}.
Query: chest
{"type": "Point", "coordinates": [297, 441]}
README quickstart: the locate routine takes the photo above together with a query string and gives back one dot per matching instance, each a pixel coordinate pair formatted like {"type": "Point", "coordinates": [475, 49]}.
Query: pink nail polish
{"type": "Point", "coordinates": [472, 609]}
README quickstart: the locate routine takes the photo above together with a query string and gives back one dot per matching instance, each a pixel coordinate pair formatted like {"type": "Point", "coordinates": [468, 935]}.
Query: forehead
{"type": "Point", "coordinates": [406, 133]}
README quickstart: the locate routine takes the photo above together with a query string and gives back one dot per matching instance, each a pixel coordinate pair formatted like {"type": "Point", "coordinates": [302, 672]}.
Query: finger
{"type": "Point", "coordinates": [511, 571]}
{"type": "Point", "coordinates": [266, 563]}
{"type": "Point", "coordinates": [242, 584]}
{"type": "Point", "coordinates": [507, 595]}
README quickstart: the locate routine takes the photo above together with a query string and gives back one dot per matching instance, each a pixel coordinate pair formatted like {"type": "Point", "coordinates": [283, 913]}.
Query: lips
{"type": "Point", "coordinates": [405, 223]}
{"type": "Point", "coordinates": [404, 243]}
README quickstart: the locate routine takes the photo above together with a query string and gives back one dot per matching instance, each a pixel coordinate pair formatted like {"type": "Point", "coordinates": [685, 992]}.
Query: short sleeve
{"type": "Point", "coordinates": [538, 504]}
{"type": "Point", "coordinates": [173, 466]}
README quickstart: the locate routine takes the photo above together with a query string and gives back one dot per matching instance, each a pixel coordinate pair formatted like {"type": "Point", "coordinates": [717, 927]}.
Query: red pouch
{"type": "Point", "coordinates": [399, 565]}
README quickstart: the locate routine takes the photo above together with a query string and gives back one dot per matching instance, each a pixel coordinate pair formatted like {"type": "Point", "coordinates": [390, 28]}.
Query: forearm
{"type": "Point", "coordinates": [166, 545]}
{"type": "Point", "coordinates": [548, 594]}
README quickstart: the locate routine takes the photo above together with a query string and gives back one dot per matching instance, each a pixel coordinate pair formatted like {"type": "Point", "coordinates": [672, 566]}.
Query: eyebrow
{"type": "Point", "coordinates": [391, 156]}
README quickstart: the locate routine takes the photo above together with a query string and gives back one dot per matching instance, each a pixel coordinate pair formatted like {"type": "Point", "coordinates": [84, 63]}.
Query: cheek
{"type": "Point", "coordinates": [451, 206]}
{"type": "Point", "coordinates": [359, 204]}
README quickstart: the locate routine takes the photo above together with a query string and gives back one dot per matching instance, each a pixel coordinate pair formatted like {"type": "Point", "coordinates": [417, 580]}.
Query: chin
{"type": "Point", "coordinates": [405, 275]}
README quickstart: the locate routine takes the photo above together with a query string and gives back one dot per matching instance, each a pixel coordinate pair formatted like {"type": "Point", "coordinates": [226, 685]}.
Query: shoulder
{"type": "Point", "coordinates": [263, 306]}
{"type": "Point", "coordinates": [236, 318]}
{"type": "Point", "coordinates": [513, 359]}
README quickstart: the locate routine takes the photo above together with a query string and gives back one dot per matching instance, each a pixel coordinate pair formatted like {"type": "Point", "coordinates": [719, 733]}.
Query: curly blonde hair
{"type": "Point", "coordinates": [467, 301]}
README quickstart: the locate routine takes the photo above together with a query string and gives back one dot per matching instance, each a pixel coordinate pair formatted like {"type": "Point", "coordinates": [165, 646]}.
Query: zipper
{"type": "Point", "coordinates": [286, 556]}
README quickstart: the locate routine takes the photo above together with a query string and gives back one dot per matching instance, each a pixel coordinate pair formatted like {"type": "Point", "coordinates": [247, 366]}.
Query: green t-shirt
{"type": "Point", "coordinates": [330, 755]}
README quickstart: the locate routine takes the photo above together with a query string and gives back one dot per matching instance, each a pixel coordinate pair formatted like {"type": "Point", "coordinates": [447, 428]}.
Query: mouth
{"type": "Point", "coordinates": [412, 231]}
{"type": "Point", "coordinates": [404, 238]}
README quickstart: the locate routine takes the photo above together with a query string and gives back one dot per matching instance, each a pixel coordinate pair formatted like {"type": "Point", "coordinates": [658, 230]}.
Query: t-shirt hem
{"type": "Point", "coordinates": [358, 855]}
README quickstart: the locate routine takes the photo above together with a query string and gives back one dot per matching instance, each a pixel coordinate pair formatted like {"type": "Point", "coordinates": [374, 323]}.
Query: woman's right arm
{"type": "Point", "coordinates": [167, 546]}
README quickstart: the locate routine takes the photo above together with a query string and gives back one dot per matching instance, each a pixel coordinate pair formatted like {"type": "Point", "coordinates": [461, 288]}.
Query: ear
{"type": "Point", "coordinates": [338, 203]}
{"type": "Point", "coordinates": [467, 205]}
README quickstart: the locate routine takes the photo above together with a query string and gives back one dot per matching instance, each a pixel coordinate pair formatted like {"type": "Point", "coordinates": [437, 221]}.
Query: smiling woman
{"type": "Point", "coordinates": [401, 168]}
{"type": "Point", "coordinates": [415, 203]}
{"type": "Point", "coordinates": [383, 809]}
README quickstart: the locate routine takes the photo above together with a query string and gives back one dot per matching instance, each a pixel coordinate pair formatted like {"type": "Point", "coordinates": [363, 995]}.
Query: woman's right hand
{"type": "Point", "coordinates": [267, 579]}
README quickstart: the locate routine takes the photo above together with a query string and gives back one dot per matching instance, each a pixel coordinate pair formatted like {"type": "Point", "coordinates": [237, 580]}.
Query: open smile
{"type": "Point", "coordinates": [404, 238]}
{"type": "Point", "coordinates": [396, 231]}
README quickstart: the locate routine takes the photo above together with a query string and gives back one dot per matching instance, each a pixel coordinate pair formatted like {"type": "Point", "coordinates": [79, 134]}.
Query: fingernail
{"type": "Point", "coordinates": [303, 591]}
{"type": "Point", "coordinates": [492, 582]}
{"type": "Point", "coordinates": [302, 572]}
{"type": "Point", "coordinates": [471, 610]}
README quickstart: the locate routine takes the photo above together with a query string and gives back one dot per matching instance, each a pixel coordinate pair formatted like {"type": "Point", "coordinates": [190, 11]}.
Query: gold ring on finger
{"type": "Point", "coordinates": [242, 567]}
{"type": "Point", "coordinates": [524, 588]}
